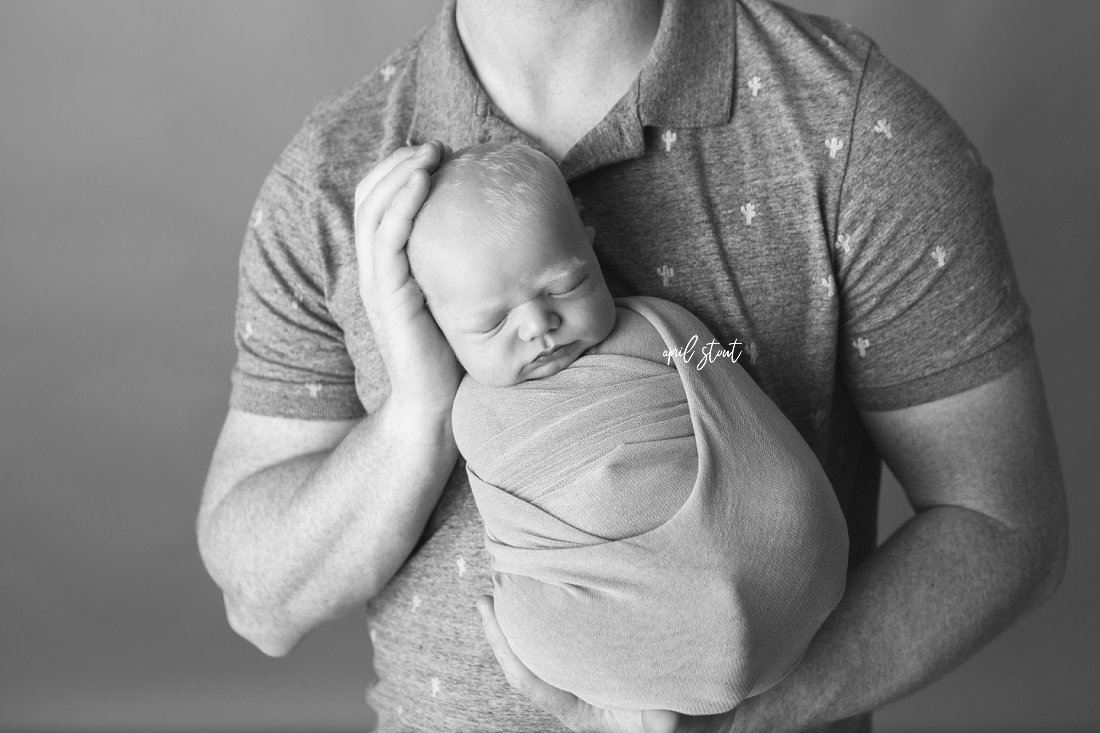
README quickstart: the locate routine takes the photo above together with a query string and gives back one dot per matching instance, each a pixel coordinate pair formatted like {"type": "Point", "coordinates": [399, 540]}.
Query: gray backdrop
{"type": "Point", "coordinates": [133, 138]}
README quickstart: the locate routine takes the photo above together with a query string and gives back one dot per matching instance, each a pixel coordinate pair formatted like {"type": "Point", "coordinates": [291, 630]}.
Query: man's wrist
{"type": "Point", "coordinates": [417, 422]}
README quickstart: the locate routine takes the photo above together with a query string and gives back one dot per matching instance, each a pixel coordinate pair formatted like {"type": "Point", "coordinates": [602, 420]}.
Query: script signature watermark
{"type": "Point", "coordinates": [710, 352]}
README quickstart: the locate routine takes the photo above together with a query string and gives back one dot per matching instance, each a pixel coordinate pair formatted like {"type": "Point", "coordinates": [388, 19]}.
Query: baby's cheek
{"type": "Point", "coordinates": [604, 318]}
{"type": "Point", "coordinates": [492, 365]}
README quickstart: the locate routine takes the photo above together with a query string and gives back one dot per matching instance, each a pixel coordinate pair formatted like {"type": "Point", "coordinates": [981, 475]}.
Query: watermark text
{"type": "Point", "coordinates": [709, 352]}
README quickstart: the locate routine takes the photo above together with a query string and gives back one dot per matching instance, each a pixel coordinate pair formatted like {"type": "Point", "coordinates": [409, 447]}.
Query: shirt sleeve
{"type": "Point", "coordinates": [292, 360]}
{"type": "Point", "coordinates": [929, 300]}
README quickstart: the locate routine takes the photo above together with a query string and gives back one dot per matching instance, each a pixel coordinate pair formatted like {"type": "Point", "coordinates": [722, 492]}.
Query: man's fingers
{"type": "Point", "coordinates": [375, 193]}
{"type": "Point", "coordinates": [513, 669]}
{"type": "Point", "coordinates": [380, 171]}
{"type": "Point", "coordinates": [388, 258]}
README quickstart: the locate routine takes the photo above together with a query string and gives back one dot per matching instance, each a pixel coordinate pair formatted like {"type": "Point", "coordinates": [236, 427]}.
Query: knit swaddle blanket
{"type": "Point", "coordinates": [661, 537]}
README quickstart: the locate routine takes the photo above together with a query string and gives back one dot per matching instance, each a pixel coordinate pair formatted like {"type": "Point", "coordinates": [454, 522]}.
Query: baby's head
{"type": "Point", "coordinates": [507, 267]}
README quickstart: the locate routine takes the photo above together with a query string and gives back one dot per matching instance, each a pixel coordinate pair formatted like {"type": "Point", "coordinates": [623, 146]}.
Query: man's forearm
{"type": "Point", "coordinates": [941, 587]}
{"type": "Point", "coordinates": [300, 542]}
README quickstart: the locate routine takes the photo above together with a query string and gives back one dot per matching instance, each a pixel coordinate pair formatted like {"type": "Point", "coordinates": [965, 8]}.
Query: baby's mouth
{"type": "Point", "coordinates": [550, 353]}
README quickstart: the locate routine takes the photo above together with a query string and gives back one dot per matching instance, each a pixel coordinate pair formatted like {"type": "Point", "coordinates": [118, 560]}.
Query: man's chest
{"type": "Point", "coordinates": [745, 250]}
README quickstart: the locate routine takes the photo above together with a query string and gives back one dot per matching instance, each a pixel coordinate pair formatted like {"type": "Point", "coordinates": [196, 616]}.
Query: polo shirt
{"type": "Point", "coordinates": [768, 170]}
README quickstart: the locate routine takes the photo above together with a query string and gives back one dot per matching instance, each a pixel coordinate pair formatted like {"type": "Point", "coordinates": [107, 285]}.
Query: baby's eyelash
{"type": "Point", "coordinates": [580, 282]}
{"type": "Point", "coordinates": [495, 326]}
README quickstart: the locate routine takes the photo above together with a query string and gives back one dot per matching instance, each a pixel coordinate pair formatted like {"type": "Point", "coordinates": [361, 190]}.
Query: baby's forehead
{"type": "Point", "coordinates": [463, 205]}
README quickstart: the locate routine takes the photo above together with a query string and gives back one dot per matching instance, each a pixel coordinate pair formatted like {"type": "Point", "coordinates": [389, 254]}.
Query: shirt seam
{"type": "Point", "coordinates": [839, 212]}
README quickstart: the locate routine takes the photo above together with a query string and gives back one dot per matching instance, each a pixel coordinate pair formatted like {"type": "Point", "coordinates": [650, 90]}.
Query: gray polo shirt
{"type": "Point", "coordinates": [769, 170]}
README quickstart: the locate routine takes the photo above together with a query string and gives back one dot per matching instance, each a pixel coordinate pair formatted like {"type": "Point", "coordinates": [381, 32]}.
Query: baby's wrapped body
{"type": "Point", "coordinates": [661, 536]}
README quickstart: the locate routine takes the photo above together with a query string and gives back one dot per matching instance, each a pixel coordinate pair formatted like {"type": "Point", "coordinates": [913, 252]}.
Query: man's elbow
{"type": "Point", "coordinates": [1052, 557]}
{"type": "Point", "coordinates": [262, 620]}
{"type": "Point", "coordinates": [1045, 541]}
{"type": "Point", "coordinates": [268, 630]}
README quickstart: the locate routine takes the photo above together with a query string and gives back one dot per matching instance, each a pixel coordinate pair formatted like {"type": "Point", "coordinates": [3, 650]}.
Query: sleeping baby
{"type": "Point", "coordinates": [639, 505]}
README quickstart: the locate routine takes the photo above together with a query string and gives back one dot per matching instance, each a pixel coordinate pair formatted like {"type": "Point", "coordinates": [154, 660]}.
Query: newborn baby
{"type": "Point", "coordinates": [660, 535]}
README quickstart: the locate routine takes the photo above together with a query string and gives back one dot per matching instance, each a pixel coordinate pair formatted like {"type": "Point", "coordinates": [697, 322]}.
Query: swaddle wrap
{"type": "Point", "coordinates": [719, 593]}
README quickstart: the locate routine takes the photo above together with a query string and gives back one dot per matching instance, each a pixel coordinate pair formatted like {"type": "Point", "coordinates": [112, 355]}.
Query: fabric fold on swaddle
{"type": "Point", "coordinates": [661, 536]}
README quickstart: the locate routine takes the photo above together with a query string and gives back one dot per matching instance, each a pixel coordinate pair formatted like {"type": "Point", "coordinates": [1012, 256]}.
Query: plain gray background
{"type": "Point", "coordinates": [133, 139]}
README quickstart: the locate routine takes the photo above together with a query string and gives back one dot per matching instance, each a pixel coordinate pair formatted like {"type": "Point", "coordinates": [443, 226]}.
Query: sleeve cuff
{"type": "Point", "coordinates": [954, 379]}
{"type": "Point", "coordinates": [312, 401]}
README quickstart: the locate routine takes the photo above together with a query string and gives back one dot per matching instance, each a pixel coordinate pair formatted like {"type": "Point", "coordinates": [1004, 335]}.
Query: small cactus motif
{"type": "Point", "coordinates": [388, 71]}
{"type": "Point", "coordinates": [834, 144]}
{"type": "Point", "coordinates": [844, 242]}
{"type": "Point", "coordinates": [818, 416]}
{"type": "Point", "coordinates": [669, 137]}
{"type": "Point", "coordinates": [248, 331]}
{"type": "Point", "coordinates": [755, 86]}
{"type": "Point", "coordinates": [749, 212]}
{"type": "Point", "coordinates": [827, 281]}
{"type": "Point", "coordinates": [666, 273]}
{"type": "Point", "coordinates": [461, 563]}
{"type": "Point", "coordinates": [939, 254]}
{"type": "Point", "coordinates": [314, 389]}
{"type": "Point", "coordinates": [882, 127]}
{"type": "Point", "coordinates": [436, 686]}
{"type": "Point", "coordinates": [861, 345]}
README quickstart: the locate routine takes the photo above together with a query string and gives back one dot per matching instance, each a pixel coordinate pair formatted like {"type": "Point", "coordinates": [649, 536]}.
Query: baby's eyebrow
{"type": "Point", "coordinates": [558, 272]}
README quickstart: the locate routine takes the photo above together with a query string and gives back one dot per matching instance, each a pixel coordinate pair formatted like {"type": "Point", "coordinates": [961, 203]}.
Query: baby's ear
{"type": "Point", "coordinates": [591, 232]}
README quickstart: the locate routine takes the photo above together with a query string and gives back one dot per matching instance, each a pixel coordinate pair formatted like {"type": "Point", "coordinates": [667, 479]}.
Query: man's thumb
{"type": "Point", "coordinates": [659, 721]}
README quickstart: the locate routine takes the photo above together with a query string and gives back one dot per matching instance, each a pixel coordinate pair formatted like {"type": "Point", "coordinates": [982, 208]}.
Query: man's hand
{"type": "Point", "coordinates": [422, 369]}
{"type": "Point", "coordinates": [576, 714]}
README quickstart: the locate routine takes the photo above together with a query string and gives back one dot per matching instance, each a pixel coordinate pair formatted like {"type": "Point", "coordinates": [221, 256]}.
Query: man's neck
{"type": "Point", "coordinates": [555, 68]}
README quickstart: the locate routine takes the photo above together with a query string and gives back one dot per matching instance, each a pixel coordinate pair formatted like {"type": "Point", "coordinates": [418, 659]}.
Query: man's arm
{"type": "Point", "coordinates": [302, 520]}
{"type": "Point", "coordinates": [987, 543]}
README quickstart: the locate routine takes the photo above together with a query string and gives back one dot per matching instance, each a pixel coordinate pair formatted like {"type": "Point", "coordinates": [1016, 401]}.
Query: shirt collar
{"type": "Point", "coordinates": [687, 81]}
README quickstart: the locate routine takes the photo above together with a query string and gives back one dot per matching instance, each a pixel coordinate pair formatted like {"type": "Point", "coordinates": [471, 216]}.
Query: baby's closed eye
{"type": "Point", "coordinates": [570, 287]}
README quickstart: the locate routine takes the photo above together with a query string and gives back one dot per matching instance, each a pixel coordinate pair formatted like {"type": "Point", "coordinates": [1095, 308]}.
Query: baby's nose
{"type": "Point", "coordinates": [538, 322]}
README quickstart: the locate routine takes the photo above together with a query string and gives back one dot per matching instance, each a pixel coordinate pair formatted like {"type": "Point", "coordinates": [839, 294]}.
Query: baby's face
{"type": "Point", "coordinates": [514, 311]}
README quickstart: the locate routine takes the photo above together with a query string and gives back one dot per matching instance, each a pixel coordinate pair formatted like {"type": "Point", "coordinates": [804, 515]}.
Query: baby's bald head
{"type": "Point", "coordinates": [487, 196]}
